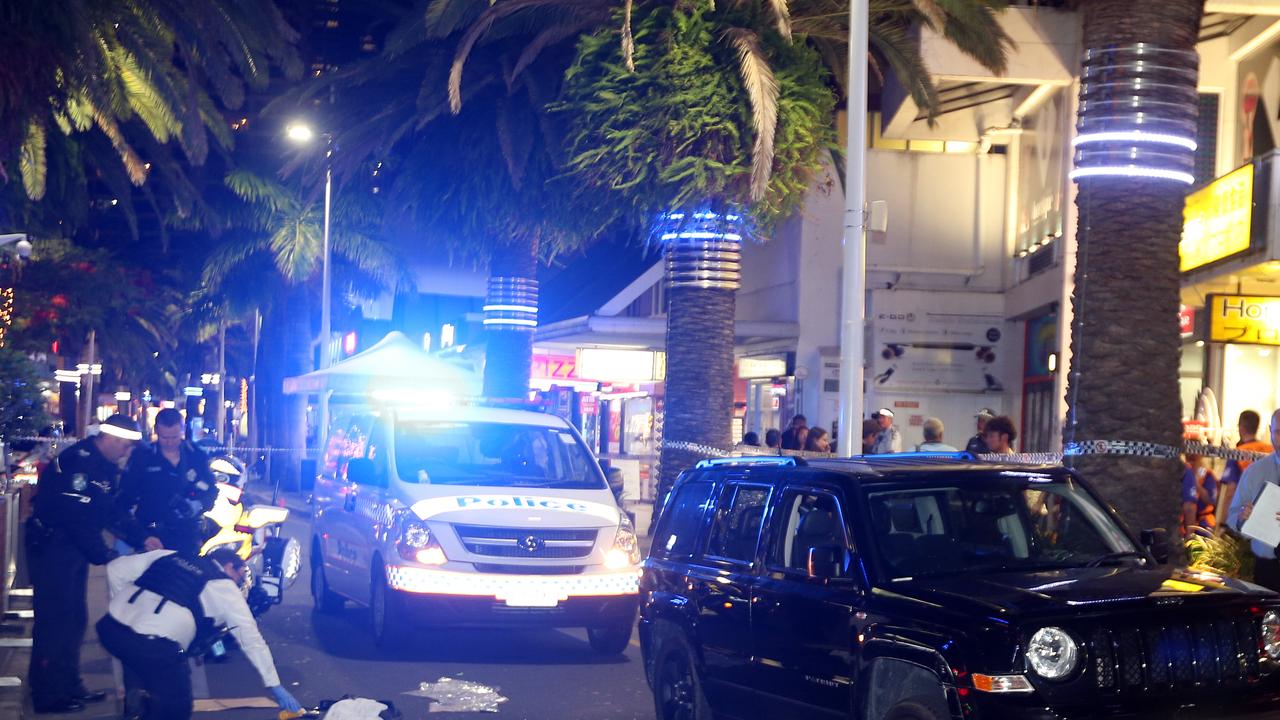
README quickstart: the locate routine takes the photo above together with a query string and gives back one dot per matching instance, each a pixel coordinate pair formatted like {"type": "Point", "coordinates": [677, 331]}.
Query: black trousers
{"type": "Point", "coordinates": [158, 665]}
{"type": "Point", "coordinates": [1266, 572]}
{"type": "Point", "coordinates": [59, 574]}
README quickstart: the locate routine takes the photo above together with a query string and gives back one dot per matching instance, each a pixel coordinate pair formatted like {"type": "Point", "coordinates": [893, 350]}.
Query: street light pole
{"type": "Point", "coordinates": [325, 287]}
{"type": "Point", "coordinates": [852, 307]}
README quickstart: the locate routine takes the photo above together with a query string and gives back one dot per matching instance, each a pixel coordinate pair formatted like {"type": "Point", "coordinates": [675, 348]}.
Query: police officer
{"type": "Point", "coordinates": [166, 490]}
{"type": "Point", "coordinates": [165, 605]}
{"type": "Point", "coordinates": [73, 505]}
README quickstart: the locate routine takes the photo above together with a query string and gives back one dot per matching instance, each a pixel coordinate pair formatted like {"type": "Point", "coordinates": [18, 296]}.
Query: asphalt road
{"type": "Point", "coordinates": [551, 674]}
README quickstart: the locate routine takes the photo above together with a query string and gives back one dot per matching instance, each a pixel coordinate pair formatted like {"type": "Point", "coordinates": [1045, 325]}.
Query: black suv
{"type": "Point", "coordinates": [925, 586]}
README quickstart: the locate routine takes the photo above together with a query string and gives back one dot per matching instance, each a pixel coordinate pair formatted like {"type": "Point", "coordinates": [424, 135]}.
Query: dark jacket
{"type": "Point", "coordinates": [167, 500]}
{"type": "Point", "coordinates": [74, 501]}
{"type": "Point", "coordinates": [977, 446]}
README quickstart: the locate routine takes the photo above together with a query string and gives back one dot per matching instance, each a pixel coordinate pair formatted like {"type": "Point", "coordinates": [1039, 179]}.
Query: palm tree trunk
{"type": "Point", "coordinates": [1124, 341]}
{"type": "Point", "coordinates": [513, 271]}
{"type": "Point", "coordinates": [703, 274]}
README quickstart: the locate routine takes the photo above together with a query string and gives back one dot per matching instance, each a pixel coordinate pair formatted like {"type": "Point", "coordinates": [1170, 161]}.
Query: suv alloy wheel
{"type": "Point", "coordinates": [677, 690]}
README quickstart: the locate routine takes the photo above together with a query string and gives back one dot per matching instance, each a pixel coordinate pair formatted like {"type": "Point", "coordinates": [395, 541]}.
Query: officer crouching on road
{"type": "Point", "coordinates": [166, 489]}
{"type": "Point", "coordinates": [166, 605]}
{"type": "Point", "coordinates": [73, 505]}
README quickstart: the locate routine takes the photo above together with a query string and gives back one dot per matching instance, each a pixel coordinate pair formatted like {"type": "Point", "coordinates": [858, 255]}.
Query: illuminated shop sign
{"type": "Point", "coordinates": [764, 367]}
{"type": "Point", "coordinates": [1218, 220]}
{"type": "Point", "coordinates": [621, 366]}
{"type": "Point", "coordinates": [1244, 319]}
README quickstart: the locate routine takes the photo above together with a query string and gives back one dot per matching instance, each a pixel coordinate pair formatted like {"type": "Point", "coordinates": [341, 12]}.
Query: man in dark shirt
{"type": "Point", "coordinates": [978, 444]}
{"type": "Point", "coordinates": [73, 506]}
{"type": "Point", "coordinates": [793, 436]}
{"type": "Point", "coordinates": [166, 490]}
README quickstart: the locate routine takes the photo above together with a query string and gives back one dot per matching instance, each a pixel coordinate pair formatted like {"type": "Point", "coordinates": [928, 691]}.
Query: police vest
{"type": "Point", "coordinates": [180, 580]}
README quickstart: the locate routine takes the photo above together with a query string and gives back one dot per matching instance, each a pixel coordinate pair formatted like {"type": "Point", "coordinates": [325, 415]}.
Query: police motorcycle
{"type": "Point", "coordinates": [255, 533]}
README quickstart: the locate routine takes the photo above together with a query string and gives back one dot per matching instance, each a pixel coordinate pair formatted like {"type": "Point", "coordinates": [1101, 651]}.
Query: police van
{"type": "Point", "coordinates": [470, 516]}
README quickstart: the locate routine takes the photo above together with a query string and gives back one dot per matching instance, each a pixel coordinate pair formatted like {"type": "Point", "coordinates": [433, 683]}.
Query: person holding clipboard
{"type": "Point", "coordinates": [1260, 490]}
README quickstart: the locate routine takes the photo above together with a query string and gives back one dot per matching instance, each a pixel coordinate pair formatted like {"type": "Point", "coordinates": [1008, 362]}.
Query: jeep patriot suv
{"type": "Point", "coordinates": [931, 586]}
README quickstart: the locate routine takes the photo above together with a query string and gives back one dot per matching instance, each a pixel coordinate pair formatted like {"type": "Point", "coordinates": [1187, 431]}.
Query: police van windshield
{"type": "Point", "coordinates": [493, 454]}
{"type": "Point", "coordinates": [994, 524]}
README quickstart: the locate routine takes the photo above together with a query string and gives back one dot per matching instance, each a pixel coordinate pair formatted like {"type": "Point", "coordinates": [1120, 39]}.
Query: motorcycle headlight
{"type": "Point", "coordinates": [1052, 653]}
{"type": "Point", "coordinates": [1271, 634]}
{"type": "Point", "coordinates": [626, 547]}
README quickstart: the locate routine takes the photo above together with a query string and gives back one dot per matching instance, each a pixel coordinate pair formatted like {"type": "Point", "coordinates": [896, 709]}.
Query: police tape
{"type": "Point", "coordinates": [1123, 448]}
{"type": "Point", "coordinates": [211, 449]}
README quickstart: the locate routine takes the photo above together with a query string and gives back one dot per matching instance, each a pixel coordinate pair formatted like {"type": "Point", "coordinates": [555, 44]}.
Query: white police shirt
{"type": "Point", "coordinates": [221, 599]}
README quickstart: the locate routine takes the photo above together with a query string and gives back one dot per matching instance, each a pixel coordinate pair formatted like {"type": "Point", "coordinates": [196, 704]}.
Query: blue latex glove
{"type": "Point", "coordinates": [287, 702]}
{"type": "Point", "coordinates": [122, 547]}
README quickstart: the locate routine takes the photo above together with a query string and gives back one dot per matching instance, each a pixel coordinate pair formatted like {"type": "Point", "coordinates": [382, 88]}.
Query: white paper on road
{"type": "Point", "coordinates": [459, 696]}
{"type": "Point", "coordinates": [355, 709]}
{"type": "Point", "coordinates": [1262, 524]}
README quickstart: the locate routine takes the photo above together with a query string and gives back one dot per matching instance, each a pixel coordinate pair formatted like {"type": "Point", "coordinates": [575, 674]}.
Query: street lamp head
{"type": "Point", "coordinates": [23, 248]}
{"type": "Point", "coordinates": [300, 133]}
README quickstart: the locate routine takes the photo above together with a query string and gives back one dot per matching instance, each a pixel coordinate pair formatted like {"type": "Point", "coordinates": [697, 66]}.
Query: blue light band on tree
{"type": "Point", "coordinates": [1137, 116]}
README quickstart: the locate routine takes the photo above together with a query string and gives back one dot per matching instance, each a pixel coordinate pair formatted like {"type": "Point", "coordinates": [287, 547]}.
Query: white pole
{"type": "Point", "coordinates": [855, 200]}
{"type": "Point", "coordinates": [325, 293]}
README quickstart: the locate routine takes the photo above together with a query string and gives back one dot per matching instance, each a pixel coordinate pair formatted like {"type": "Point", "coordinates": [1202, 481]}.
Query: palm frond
{"type": "Point", "coordinates": [762, 92]}
{"type": "Point", "coordinates": [782, 16]}
{"type": "Point", "coordinates": [933, 13]}
{"type": "Point", "coordinates": [32, 161]}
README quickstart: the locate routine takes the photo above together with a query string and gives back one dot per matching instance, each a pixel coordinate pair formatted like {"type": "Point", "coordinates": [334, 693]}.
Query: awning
{"type": "Point", "coordinates": [395, 363]}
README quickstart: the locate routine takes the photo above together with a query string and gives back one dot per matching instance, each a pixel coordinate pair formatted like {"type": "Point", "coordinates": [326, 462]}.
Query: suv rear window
{"type": "Point", "coordinates": [678, 530]}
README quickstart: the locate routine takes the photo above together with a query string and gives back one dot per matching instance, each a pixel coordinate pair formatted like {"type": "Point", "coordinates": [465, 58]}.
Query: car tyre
{"type": "Point", "coordinates": [916, 709]}
{"type": "Point", "coordinates": [677, 689]}
{"type": "Point", "coordinates": [326, 601]}
{"type": "Point", "coordinates": [610, 640]}
{"type": "Point", "coordinates": [385, 611]}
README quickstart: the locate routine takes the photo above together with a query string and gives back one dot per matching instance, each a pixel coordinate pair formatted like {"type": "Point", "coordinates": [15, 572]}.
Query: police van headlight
{"type": "Point", "coordinates": [416, 543]}
{"type": "Point", "coordinates": [626, 546]}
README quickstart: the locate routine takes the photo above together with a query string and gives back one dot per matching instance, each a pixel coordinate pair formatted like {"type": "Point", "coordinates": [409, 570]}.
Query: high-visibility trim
{"type": "Point", "coordinates": [549, 588]}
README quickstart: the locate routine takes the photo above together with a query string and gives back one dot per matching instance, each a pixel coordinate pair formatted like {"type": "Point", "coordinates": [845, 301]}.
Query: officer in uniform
{"type": "Point", "coordinates": [166, 490]}
{"type": "Point", "coordinates": [72, 507]}
{"type": "Point", "coordinates": [166, 606]}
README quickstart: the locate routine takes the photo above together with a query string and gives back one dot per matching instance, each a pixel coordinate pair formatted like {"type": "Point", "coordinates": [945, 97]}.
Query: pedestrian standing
{"type": "Point", "coordinates": [977, 445]}
{"type": "Point", "coordinates": [166, 606]}
{"type": "Point", "coordinates": [773, 439]}
{"type": "Point", "coordinates": [73, 506]}
{"type": "Point", "coordinates": [751, 438]}
{"type": "Point", "coordinates": [999, 435]}
{"type": "Point", "coordinates": [818, 440]}
{"type": "Point", "coordinates": [1247, 425]}
{"type": "Point", "coordinates": [1199, 493]}
{"type": "Point", "coordinates": [1266, 570]}
{"type": "Point", "coordinates": [166, 489]}
{"type": "Point", "coordinates": [793, 436]}
{"type": "Point", "coordinates": [889, 440]}
{"type": "Point", "coordinates": [933, 437]}
{"type": "Point", "coordinates": [870, 430]}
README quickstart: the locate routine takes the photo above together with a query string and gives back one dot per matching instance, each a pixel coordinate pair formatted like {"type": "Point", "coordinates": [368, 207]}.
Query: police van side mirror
{"type": "Point", "coordinates": [362, 471]}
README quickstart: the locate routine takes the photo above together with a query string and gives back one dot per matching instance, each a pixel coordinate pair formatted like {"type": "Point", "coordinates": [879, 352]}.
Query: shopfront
{"type": "Point", "coordinates": [1230, 318]}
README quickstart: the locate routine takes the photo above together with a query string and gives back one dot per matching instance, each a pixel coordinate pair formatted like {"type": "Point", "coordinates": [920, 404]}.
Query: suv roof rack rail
{"type": "Point", "coordinates": [770, 460]}
{"type": "Point", "coordinates": [917, 458]}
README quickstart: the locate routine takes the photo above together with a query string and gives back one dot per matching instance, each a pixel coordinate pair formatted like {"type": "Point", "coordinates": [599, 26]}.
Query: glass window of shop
{"type": "Point", "coordinates": [1250, 381]}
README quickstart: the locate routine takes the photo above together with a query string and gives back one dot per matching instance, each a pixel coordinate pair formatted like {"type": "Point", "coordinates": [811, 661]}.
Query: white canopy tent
{"type": "Point", "coordinates": [394, 365]}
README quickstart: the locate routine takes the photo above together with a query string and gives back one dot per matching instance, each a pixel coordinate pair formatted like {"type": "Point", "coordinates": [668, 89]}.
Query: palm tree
{"type": "Point", "coordinates": [270, 264]}
{"type": "Point", "coordinates": [714, 120]}
{"type": "Point", "coordinates": [100, 64]}
{"type": "Point", "coordinates": [1124, 338]}
{"type": "Point", "coordinates": [472, 185]}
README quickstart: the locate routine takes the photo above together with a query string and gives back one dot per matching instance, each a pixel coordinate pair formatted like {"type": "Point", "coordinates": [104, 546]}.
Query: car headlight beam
{"type": "Point", "coordinates": [1052, 653]}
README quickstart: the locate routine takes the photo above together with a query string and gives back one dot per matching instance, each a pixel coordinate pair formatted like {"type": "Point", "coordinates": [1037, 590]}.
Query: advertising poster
{"type": "Point", "coordinates": [922, 342]}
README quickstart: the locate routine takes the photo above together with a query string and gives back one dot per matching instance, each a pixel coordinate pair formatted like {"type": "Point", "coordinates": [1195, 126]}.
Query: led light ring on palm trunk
{"type": "Point", "coordinates": [703, 249]}
{"type": "Point", "coordinates": [1137, 118]}
{"type": "Point", "coordinates": [1052, 653]}
{"type": "Point", "coordinates": [511, 303]}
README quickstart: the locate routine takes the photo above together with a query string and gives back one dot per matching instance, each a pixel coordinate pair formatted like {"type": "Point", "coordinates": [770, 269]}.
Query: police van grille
{"type": "Point", "coordinates": [1205, 652]}
{"type": "Point", "coordinates": [541, 543]}
{"type": "Point", "coordinates": [530, 569]}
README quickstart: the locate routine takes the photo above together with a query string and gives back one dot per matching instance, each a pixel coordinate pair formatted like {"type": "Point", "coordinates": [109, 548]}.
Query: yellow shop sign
{"type": "Point", "coordinates": [1246, 319]}
{"type": "Point", "coordinates": [1217, 220]}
